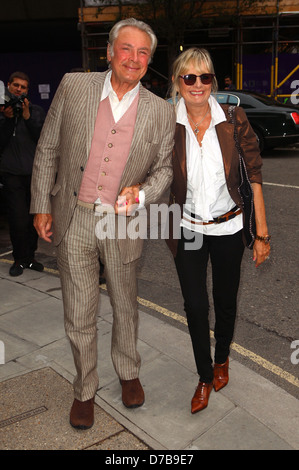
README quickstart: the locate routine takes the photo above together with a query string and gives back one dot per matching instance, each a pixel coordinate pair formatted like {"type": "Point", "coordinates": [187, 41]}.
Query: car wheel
{"type": "Point", "coordinates": [260, 139]}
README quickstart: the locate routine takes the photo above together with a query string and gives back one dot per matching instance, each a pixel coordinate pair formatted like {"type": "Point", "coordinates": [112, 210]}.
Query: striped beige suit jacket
{"type": "Point", "coordinates": [65, 143]}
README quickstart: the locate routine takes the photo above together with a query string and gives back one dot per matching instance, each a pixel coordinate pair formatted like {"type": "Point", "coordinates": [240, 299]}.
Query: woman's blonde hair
{"type": "Point", "coordinates": [198, 57]}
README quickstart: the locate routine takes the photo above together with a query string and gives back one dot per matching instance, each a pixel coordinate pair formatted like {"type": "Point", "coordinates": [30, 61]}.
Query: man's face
{"type": "Point", "coordinates": [18, 86]}
{"type": "Point", "coordinates": [131, 55]}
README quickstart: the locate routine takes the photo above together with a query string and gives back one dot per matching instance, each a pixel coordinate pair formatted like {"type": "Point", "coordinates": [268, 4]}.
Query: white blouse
{"type": "Point", "coordinates": [207, 193]}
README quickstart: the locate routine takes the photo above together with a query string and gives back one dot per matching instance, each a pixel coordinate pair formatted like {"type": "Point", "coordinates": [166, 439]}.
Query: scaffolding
{"type": "Point", "coordinates": [268, 28]}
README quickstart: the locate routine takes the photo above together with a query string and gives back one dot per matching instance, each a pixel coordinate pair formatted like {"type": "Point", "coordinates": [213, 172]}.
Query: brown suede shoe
{"type": "Point", "coordinates": [220, 375]}
{"type": "Point", "coordinates": [132, 393]}
{"type": "Point", "coordinates": [82, 414]}
{"type": "Point", "coordinates": [201, 396]}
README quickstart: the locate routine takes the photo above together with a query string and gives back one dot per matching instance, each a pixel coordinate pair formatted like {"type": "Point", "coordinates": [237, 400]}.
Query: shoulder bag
{"type": "Point", "coordinates": [245, 191]}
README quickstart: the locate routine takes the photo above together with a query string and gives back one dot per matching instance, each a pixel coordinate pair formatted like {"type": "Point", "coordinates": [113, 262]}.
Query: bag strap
{"type": "Point", "coordinates": [244, 179]}
{"type": "Point", "coordinates": [231, 113]}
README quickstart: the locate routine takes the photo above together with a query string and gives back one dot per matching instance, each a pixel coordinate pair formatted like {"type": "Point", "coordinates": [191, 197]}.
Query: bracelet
{"type": "Point", "coordinates": [265, 239]}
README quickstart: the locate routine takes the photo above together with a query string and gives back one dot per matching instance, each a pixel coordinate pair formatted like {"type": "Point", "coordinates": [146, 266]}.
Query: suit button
{"type": "Point", "coordinates": [82, 168]}
{"type": "Point", "coordinates": [113, 131]}
{"type": "Point", "coordinates": [106, 159]}
{"type": "Point", "coordinates": [110, 145]}
{"type": "Point", "coordinates": [75, 193]}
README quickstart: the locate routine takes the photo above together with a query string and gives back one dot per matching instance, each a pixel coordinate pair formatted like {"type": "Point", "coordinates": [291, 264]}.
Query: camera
{"type": "Point", "coordinates": [16, 102]}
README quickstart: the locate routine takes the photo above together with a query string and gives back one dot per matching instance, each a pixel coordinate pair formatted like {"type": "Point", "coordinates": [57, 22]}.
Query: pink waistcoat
{"type": "Point", "coordinates": [108, 154]}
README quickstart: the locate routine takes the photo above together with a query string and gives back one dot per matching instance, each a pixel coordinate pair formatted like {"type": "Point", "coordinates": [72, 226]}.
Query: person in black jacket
{"type": "Point", "coordinates": [20, 126]}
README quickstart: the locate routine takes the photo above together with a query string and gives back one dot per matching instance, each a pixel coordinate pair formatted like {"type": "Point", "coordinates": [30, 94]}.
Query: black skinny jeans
{"type": "Point", "coordinates": [225, 253]}
{"type": "Point", "coordinates": [23, 235]}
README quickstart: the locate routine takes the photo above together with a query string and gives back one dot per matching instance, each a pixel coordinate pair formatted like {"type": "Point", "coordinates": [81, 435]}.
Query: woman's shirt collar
{"type": "Point", "coordinates": [217, 113]}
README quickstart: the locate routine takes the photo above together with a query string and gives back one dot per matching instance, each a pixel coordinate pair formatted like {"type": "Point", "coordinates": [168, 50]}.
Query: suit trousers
{"type": "Point", "coordinates": [23, 235]}
{"type": "Point", "coordinates": [78, 262]}
{"type": "Point", "coordinates": [225, 253]}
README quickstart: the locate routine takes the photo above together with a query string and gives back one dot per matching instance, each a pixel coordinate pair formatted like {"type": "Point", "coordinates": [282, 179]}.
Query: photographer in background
{"type": "Point", "coordinates": [20, 126]}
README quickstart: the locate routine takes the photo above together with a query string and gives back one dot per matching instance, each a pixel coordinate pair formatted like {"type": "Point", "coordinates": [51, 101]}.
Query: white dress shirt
{"type": "Point", "coordinates": [207, 193]}
{"type": "Point", "coordinates": [118, 107]}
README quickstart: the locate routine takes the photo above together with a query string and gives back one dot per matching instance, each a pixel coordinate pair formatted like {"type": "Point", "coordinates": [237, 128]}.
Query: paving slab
{"type": "Point", "coordinates": [238, 430]}
{"type": "Point", "coordinates": [33, 416]}
{"type": "Point", "coordinates": [40, 322]}
{"type": "Point", "coordinates": [13, 299]}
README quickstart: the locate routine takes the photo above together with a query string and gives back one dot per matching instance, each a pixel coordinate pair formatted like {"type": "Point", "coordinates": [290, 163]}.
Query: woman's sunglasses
{"type": "Point", "coordinates": [190, 79]}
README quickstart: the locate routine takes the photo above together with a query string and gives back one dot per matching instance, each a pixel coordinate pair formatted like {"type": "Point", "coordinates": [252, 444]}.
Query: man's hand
{"type": "Point", "coordinates": [26, 112]}
{"type": "Point", "coordinates": [8, 112]}
{"type": "Point", "coordinates": [43, 224]}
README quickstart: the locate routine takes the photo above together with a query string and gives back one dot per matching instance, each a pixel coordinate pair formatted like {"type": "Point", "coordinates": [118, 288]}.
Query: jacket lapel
{"type": "Point", "coordinates": [180, 150]}
{"type": "Point", "coordinates": [138, 139]}
{"type": "Point", "coordinates": [94, 94]}
{"type": "Point", "coordinates": [225, 133]}
{"type": "Point", "coordinates": [141, 119]}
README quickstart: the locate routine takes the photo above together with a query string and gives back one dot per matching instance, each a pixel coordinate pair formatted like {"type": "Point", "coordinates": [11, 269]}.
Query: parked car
{"type": "Point", "coordinates": [274, 123]}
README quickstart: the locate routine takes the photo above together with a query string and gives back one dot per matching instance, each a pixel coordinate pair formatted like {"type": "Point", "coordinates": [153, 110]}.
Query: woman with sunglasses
{"type": "Point", "coordinates": [205, 185]}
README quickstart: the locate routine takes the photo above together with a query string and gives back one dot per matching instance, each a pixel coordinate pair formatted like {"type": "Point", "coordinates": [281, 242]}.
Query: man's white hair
{"type": "Point", "coordinates": [135, 24]}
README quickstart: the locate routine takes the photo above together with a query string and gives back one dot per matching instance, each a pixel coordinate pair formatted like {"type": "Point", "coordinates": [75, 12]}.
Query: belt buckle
{"type": "Point", "coordinates": [219, 220]}
{"type": "Point", "coordinates": [225, 217]}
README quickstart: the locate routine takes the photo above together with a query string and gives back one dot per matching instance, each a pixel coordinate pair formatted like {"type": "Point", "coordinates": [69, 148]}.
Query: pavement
{"type": "Point", "coordinates": [37, 371]}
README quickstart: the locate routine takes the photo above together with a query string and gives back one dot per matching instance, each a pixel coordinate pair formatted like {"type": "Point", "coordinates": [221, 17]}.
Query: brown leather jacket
{"type": "Point", "coordinates": [225, 133]}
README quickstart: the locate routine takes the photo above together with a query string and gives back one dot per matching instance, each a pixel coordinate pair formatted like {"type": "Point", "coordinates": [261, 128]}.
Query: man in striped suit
{"type": "Point", "coordinates": [104, 136]}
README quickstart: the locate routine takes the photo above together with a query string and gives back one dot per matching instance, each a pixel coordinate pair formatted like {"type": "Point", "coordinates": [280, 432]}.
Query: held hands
{"type": "Point", "coordinates": [128, 200]}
